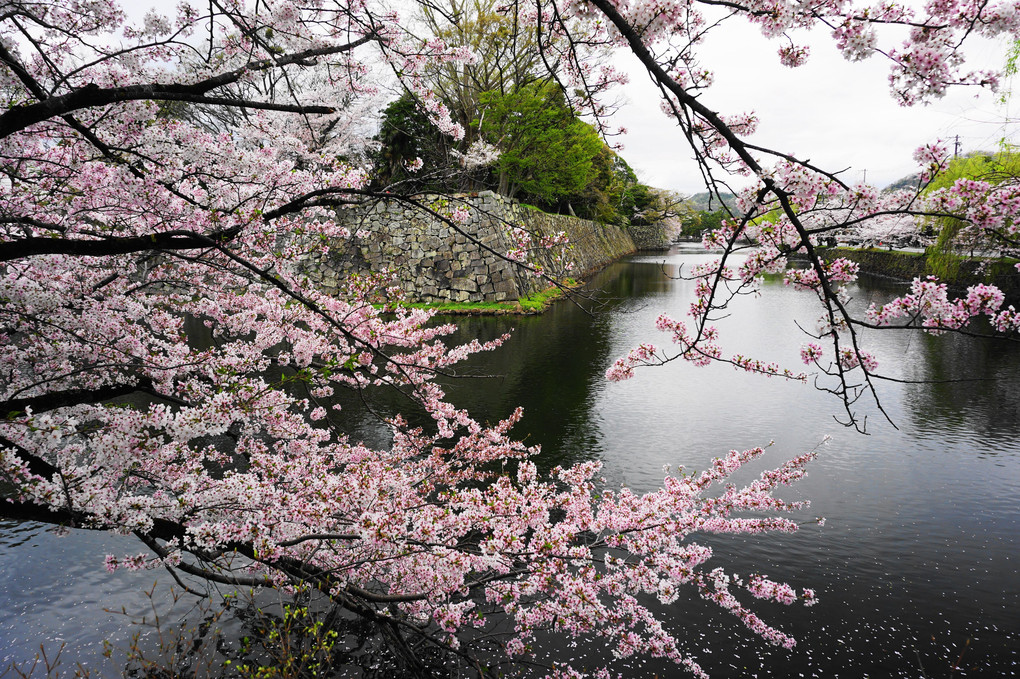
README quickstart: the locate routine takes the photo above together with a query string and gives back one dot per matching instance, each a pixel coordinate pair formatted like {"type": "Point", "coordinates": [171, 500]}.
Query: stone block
{"type": "Point", "coordinates": [508, 287]}
{"type": "Point", "coordinates": [465, 284]}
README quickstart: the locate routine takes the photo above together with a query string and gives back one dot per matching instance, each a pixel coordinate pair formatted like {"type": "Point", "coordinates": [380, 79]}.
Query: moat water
{"type": "Point", "coordinates": [917, 567]}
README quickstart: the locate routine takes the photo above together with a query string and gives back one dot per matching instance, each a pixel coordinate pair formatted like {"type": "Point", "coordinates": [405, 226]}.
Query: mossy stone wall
{"type": "Point", "coordinates": [432, 261]}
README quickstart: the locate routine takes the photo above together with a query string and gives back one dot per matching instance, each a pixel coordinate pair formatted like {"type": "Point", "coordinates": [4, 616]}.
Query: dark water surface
{"type": "Point", "coordinates": [917, 567]}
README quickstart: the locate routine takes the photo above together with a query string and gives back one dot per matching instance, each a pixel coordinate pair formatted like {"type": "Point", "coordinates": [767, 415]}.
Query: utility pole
{"type": "Point", "coordinates": [956, 147]}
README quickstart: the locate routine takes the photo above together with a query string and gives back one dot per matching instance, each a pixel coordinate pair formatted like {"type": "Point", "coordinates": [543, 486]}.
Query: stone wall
{"type": "Point", "coordinates": [651, 236]}
{"type": "Point", "coordinates": [433, 261]}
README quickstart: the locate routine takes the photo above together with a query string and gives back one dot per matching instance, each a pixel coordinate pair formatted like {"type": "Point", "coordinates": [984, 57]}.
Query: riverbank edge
{"type": "Point", "coordinates": [958, 272]}
{"type": "Point", "coordinates": [532, 305]}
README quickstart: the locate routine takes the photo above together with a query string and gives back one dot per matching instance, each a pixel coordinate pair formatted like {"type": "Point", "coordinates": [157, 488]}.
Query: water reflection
{"type": "Point", "coordinates": [975, 386]}
{"type": "Point", "coordinates": [553, 365]}
{"type": "Point", "coordinates": [919, 551]}
{"type": "Point", "coordinates": [53, 591]}
{"type": "Point", "coordinates": [917, 556]}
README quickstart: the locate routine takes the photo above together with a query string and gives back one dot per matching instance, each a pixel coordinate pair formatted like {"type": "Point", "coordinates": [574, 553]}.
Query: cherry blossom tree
{"type": "Point", "coordinates": [155, 175]}
{"type": "Point", "coordinates": [890, 230]}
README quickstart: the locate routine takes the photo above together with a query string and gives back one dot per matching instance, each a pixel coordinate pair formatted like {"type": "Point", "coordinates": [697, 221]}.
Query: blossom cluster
{"type": "Point", "coordinates": [194, 371]}
{"type": "Point", "coordinates": [929, 305]}
{"type": "Point", "coordinates": [543, 255]}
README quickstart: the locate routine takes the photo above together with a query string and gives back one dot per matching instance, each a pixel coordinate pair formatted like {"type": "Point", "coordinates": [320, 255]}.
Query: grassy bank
{"type": "Point", "coordinates": [532, 304]}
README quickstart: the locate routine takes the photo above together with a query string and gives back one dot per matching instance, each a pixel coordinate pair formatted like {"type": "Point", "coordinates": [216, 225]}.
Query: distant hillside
{"type": "Point", "coordinates": [909, 182]}
{"type": "Point", "coordinates": [700, 201]}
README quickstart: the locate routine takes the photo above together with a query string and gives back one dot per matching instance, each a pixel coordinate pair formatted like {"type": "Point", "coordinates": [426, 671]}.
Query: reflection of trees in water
{"type": "Point", "coordinates": [957, 383]}
{"type": "Point", "coordinates": [14, 533]}
{"type": "Point", "coordinates": [268, 634]}
{"type": "Point", "coordinates": [965, 382]}
{"type": "Point", "coordinates": [552, 366]}
{"type": "Point", "coordinates": [871, 289]}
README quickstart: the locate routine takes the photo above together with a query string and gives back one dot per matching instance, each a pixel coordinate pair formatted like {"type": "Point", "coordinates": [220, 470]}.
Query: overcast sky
{"type": "Point", "coordinates": [835, 113]}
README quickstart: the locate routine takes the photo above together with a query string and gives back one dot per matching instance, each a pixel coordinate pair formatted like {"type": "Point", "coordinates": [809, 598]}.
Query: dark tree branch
{"type": "Point", "coordinates": [36, 465]}
{"type": "Point", "coordinates": [166, 240]}
{"type": "Point", "coordinates": [71, 397]}
{"type": "Point", "coordinates": [90, 96]}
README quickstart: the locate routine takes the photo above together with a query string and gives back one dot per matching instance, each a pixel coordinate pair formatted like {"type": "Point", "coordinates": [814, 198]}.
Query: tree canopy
{"type": "Point", "coordinates": [546, 151]}
{"type": "Point", "coordinates": [506, 55]}
{"type": "Point", "coordinates": [543, 154]}
{"type": "Point", "coordinates": [509, 99]}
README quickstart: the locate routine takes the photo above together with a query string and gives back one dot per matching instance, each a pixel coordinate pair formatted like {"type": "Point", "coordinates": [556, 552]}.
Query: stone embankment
{"type": "Point", "coordinates": [655, 236]}
{"type": "Point", "coordinates": [957, 272]}
{"type": "Point", "coordinates": [432, 260]}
